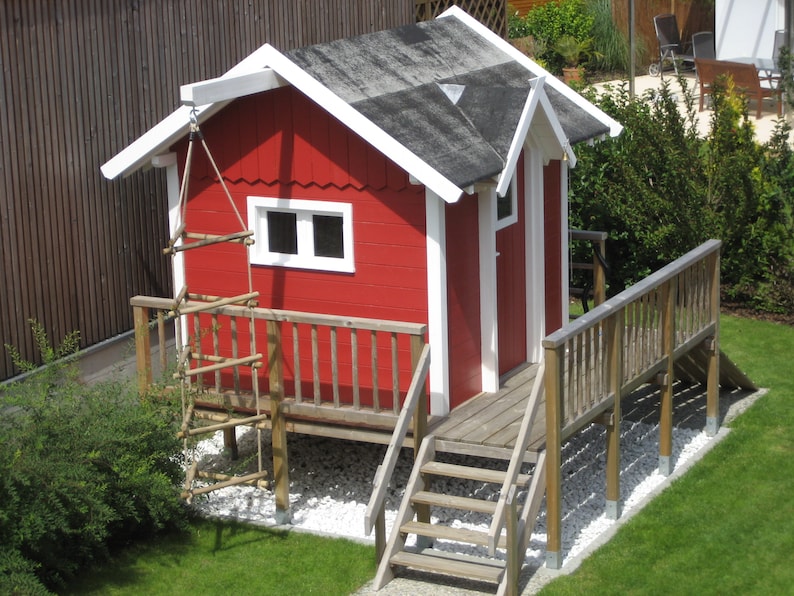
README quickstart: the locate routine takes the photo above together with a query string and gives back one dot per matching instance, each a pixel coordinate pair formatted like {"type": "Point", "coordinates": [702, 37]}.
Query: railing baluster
{"type": "Point", "coordinates": [316, 366]}
{"type": "Point", "coordinates": [334, 368]}
{"type": "Point", "coordinates": [197, 345]}
{"type": "Point", "coordinates": [296, 363]}
{"type": "Point", "coordinates": [216, 347]}
{"type": "Point", "coordinates": [395, 375]}
{"type": "Point", "coordinates": [235, 354]}
{"type": "Point", "coordinates": [373, 338]}
{"type": "Point", "coordinates": [354, 360]}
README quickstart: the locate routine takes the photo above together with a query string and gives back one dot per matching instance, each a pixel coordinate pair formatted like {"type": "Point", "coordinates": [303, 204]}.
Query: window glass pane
{"type": "Point", "coordinates": [282, 232]}
{"type": "Point", "coordinates": [504, 205]}
{"type": "Point", "coordinates": [328, 236]}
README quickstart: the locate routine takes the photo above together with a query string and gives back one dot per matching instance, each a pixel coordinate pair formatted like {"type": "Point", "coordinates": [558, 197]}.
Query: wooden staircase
{"type": "Point", "coordinates": [511, 524]}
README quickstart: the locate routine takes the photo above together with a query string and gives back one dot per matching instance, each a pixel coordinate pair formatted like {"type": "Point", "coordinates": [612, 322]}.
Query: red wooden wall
{"type": "Point", "coordinates": [280, 144]}
{"type": "Point", "coordinates": [463, 299]}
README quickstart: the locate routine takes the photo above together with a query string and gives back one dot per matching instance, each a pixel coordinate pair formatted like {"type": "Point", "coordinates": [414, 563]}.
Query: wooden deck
{"type": "Point", "coordinates": [488, 423]}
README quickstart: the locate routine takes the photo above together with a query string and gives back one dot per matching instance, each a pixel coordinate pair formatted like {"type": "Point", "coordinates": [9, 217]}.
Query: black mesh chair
{"type": "Point", "coordinates": [670, 48]}
{"type": "Point", "coordinates": [703, 45]}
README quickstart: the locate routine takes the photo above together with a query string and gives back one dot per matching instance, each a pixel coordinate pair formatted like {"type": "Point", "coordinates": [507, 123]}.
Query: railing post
{"type": "Point", "coordinates": [666, 378]}
{"type": "Point", "coordinates": [514, 554]}
{"type": "Point", "coordinates": [713, 370]}
{"type": "Point", "coordinates": [599, 275]}
{"type": "Point", "coordinates": [420, 417]}
{"type": "Point", "coordinates": [277, 421]}
{"type": "Point", "coordinates": [143, 348]}
{"type": "Point", "coordinates": [555, 359]}
{"type": "Point", "coordinates": [614, 328]}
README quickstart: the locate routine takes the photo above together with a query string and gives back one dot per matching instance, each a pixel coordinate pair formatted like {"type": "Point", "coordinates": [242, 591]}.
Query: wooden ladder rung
{"type": "Point", "coordinates": [202, 240]}
{"type": "Point", "coordinates": [194, 308]}
{"type": "Point", "coordinates": [253, 479]}
{"type": "Point", "coordinates": [234, 422]}
{"type": "Point", "coordinates": [454, 502]}
{"type": "Point", "coordinates": [478, 571]}
{"type": "Point", "coordinates": [469, 473]}
{"type": "Point", "coordinates": [227, 363]}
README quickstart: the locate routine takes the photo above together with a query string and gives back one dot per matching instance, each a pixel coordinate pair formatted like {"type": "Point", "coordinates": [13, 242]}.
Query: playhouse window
{"type": "Point", "coordinates": [301, 233]}
{"type": "Point", "coordinates": [507, 206]}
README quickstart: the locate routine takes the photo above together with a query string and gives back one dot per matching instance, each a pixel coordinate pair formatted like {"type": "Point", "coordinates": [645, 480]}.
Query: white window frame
{"type": "Point", "coordinates": [258, 208]}
{"type": "Point", "coordinates": [513, 217]}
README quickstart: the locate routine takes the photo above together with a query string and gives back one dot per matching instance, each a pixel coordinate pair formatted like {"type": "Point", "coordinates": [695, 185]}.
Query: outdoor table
{"type": "Point", "coordinates": [766, 66]}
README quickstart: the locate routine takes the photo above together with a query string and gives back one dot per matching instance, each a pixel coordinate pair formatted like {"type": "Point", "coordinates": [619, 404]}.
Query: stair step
{"type": "Point", "coordinates": [465, 503]}
{"type": "Point", "coordinates": [464, 535]}
{"type": "Point", "coordinates": [469, 473]}
{"type": "Point", "coordinates": [478, 571]}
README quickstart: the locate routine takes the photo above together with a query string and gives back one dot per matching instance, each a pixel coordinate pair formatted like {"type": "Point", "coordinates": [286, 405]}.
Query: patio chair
{"type": "Point", "coordinates": [670, 47]}
{"type": "Point", "coordinates": [703, 45]}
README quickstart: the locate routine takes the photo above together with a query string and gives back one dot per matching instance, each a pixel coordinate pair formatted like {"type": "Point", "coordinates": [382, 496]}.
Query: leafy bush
{"type": "Point", "coordinates": [659, 190]}
{"type": "Point", "coordinates": [549, 22]}
{"type": "Point", "coordinates": [82, 469]}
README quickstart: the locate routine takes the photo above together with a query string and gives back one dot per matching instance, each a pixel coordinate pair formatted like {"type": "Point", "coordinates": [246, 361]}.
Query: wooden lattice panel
{"type": "Point", "coordinates": [491, 13]}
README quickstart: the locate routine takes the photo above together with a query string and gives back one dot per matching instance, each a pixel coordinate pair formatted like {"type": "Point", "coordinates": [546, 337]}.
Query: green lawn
{"type": "Point", "coordinates": [228, 558]}
{"type": "Point", "coordinates": [727, 526]}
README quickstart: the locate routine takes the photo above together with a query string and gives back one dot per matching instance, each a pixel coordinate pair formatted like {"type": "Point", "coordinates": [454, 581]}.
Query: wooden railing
{"type": "Point", "coordinates": [347, 389]}
{"type": "Point", "coordinates": [629, 340]}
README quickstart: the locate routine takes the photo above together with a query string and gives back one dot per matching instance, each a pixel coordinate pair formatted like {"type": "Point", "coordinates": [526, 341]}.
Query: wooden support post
{"type": "Point", "coordinates": [555, 359]}
{"type": "Point", "coordinates": [230, 439]}
{"type": "Point", "coordinates": [380, 533]}
{"type": "Point", "coordinates": [278, 424]}
{"type": "Point", "coordinates": [614, 328]}
{"type": "Point", "coordinates": [143, 348]}
{"type": "Point", "coordinates": [420, 418]}
{"type": "Point", "coordinates": [666, 406]}
{"type": "Point", "coordinates": [599, 275]}
{"type": "Point", "coordinates": [713, 369]}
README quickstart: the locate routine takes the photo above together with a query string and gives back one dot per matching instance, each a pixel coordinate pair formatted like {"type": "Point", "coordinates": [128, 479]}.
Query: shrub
{"type": "Point", "coordinates": [82, 469]}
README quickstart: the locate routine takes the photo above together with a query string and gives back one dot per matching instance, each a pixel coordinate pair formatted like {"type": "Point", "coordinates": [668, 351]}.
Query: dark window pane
{"type": "Point", "coordinates": [328, 236]}
{"type": "Point", "coordinates": [282, 232]}
{"type": "Point", "coordinates": [504, 205]}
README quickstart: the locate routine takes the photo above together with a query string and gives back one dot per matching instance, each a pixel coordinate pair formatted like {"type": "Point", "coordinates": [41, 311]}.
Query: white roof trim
{"type": "Point", "coordinates": [558, 131]}
{"type": "Point", "coordinates": [615, 127]}
{"type": "Point", "coordinates": [169, 130]}
{"type": "Point", "coordinates": [363, 126]}
{"type": "Point", "coordinates": [229, 87]}
{"type": "Point", "coordinates": [536, 88]}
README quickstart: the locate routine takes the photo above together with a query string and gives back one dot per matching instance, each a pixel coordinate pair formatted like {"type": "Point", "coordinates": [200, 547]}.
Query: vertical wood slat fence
{"type": "Point", "coordinates": [491, 13]}
{"type": "Point", "coordinates": [631, 339]}
{"type": "Point", "coordinates": [79, 80]}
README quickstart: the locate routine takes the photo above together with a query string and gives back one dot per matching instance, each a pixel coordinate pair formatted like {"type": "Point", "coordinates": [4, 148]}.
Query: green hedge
{"type": "Point", "coordinates": [659, 190]}
{"type": "Point", "coordinates": [82, 470]}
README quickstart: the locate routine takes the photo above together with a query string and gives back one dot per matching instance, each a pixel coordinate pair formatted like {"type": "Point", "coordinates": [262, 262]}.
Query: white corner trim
{"type": "Point", "coordinates": [534, 252]}
{"type": "Point", "coordinates": [564, 241]}
{"type": "Point", "coordinates": [172, 185]}
{"type": "Point", "coordinates": [517, 144]}
{"type": "Point", "coordinates": [489, 329]}
{"type": "Point", "coordinates": [615, 127]}
{"type": "Point", "coordinates": [437, 308]}
{"type": "Point", "coordinates": [229, 87]}
{"type": "Point", "coordinates": [363, 126]}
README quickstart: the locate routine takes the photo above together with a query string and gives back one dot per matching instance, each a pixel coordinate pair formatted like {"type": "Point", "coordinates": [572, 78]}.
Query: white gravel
{"type": "Point", "coordinates": [330, 483]}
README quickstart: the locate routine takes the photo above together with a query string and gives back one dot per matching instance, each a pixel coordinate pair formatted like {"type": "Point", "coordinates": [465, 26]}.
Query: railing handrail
{"type": "Point", "coordinates": [289, 316]}
{"type": "Point", "coordinates": [386, 469]}
{"type": "Point", "coordinates": [603, 311]}
{"type": "Point", "coordinates": [517, 458]}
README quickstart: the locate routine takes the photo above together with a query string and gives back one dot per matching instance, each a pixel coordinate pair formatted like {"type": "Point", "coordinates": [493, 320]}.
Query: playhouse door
{"type": "Point", "coordinates": [511, 297]}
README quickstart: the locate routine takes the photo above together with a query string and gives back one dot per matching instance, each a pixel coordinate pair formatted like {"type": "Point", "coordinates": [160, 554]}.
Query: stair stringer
{"type": "Point", "coordinates": [416, 482]}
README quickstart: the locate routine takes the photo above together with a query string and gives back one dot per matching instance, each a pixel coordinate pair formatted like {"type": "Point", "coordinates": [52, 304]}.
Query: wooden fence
{"type": "Point", "coordinates": [79, 80]}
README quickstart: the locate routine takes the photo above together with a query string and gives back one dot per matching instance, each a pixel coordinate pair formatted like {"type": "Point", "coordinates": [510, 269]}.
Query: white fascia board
{"type": "Point", "coordinates": [615, 127]}
{"type": "Point", "coordinates": [556, 128]}
{"type": "Point", "coordinates": [364, 127]}
{"type": "Point", "coordinates": [173, 127]}
{"type": "Point", "coordinates": [229, 87]}
{"type": "Point", "coordinates": [520, 135]}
